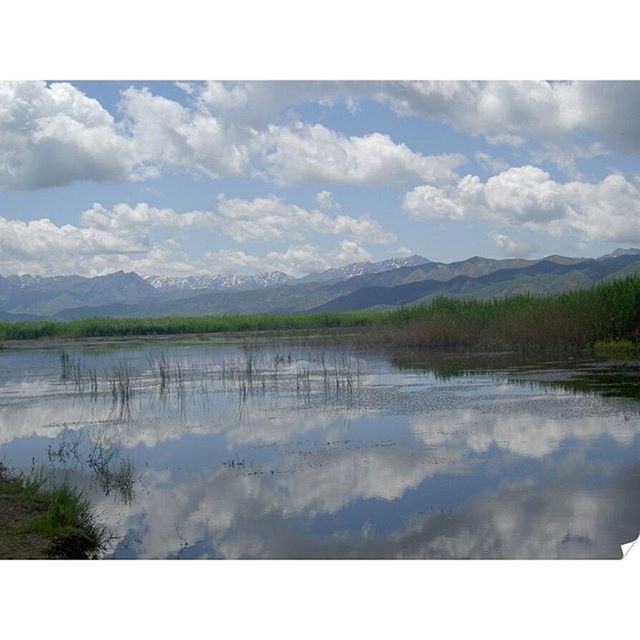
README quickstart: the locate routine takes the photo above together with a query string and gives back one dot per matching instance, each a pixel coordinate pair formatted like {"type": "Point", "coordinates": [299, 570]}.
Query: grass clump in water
{"type": "Point", "coordinates": [59, 514]}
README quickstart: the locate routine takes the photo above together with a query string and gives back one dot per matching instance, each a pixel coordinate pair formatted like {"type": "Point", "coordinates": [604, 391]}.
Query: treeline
{"type": "Point", "coordinates": [609, 311]}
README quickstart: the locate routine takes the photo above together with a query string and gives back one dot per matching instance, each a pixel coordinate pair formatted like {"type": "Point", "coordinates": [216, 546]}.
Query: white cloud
{"type": "Point", "coordinates": [297, 260]}
{"type": "Point", "coordinates": [147, 239]}
{"type": "Point", "coordinates": [426, 202]}
{"type": "Point", "coordinates": [43, 248]}
{"type": "Point", "coordinates": [608, 210]}
{"type": "Point", "coordinates": [310, 154]}
{"type": "Point", "coordinates": [169, 134]}
{"type": "Point", "coordinates": [514, 247]}
{"type": "Point", "coordinates": [326, 201]}
{"type": "Point", "coordinates": [271, 219]}
{"type": "Point", "coordinates": [211, 137]}
{"type": "Point", "coordinates": [53, 135]}
{"type": "Point", "coordinates": [500, 111]}
{"type": "Point", "coordinates": [490, 163]}
{"type": "Point", "coordinates": [258, 103]}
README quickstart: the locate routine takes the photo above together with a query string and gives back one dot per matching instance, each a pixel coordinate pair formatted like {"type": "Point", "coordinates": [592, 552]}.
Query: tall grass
{"type": "Point", "coordinates": [607, 312]}
{"type": "Point", "coordinates": [60, 514]}
{"type": "Point", "coordinates": [120, 327]}
{"type": "Point", "coordinates": [579, 319]}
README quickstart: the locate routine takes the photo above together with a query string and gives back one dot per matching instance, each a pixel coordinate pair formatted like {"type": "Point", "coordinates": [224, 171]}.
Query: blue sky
{"type": "Point", "coordinates": [195, 177]}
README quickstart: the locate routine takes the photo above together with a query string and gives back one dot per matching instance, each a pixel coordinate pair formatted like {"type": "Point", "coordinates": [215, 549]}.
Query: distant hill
{"type": "Point", "coordinates": [18, 317]}
{"type": "Point", "coordinates": [361, 268]}
{"type": "Point", "coordinates": [379, 285]}
{"type": "Point", "coordinates": [220, 282]}
{"type": "Point", "coordinates": [620, 252]}
{"type": "Point", "coordinates": [545, 276]}
{"type": "Point", "coordinates": [34, 295]}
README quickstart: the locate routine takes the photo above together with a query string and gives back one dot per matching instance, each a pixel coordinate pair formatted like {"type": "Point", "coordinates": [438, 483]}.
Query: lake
{"type": "Point", "coordinates": [280, 449]}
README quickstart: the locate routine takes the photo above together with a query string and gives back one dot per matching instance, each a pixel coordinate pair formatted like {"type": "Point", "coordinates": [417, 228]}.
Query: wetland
{"type": "Point", "coordinates": [296, 448]}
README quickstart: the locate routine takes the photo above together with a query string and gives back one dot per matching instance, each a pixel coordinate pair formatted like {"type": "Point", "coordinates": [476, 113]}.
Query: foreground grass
{"type": "Point", "coordinates": [608, 314]}
{"type": "Point", "coordinates": [58, 514]}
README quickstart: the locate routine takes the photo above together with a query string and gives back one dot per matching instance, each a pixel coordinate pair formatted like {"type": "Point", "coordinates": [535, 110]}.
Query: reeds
{"type": "Point", "coordinates": [122, 327]}
{"type": "Point", "coordinates": [82, 376]}
{"type": "Point", "coordinates": [579, 319]}
{"type": "Point", "coordinates": [119, 383]}
{"type": "Point", "coordinates": [608, 311]}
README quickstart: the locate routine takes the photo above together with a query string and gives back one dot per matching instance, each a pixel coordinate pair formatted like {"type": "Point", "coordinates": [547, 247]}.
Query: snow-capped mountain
{"type": "Point", "coordinates": [24, 281]}
{"type": "Point", "coordinates": [361, 268]}
{"type": "Point", "coordinates": [278, 278]}
{"type": "Point", "coordinates": [220, 282]}
{"type": "Point", "coordinates": [620, 252]}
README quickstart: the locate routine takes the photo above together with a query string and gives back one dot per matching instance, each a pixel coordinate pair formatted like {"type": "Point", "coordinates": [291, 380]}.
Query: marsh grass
{"type": "Point", "coordinates": [119, 381]}
{"type": "Point", "coordinates": [83, 377]}
{"type": "Point", "coordinates": [62, 514]}
{"type": "Point", "coordinates": [254, 375]}
{"type": "Point", "coordinates": [579, 319]}
{"type": "Point", "coordinates": [606, 312]}
{"type": "Point", "coordinates": [176, 325]}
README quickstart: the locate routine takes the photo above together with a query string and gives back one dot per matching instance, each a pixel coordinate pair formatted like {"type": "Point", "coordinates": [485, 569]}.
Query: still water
{"type": "Point", "coordinates": [282, 450]}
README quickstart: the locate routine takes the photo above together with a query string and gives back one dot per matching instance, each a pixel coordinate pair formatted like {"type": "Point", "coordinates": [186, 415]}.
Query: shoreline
{"type": "Point", "coordinates": [43, 522]}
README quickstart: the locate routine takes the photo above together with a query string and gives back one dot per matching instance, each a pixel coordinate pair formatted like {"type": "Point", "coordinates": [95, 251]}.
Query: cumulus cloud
{"type": "Point", "coordinates": [608, 210]}
{"type": "Point", "coordinates": [44, 248]}
{"type": "Point", "coordinates": [167, 133]}
{"type": "Point", "coordinates": [500, 111]}
{"type": "Point", "coordinates": [550, 113]}
{"type": "Point", "coordinates": [258, 103]}
{"type": "Point", "coordinates": [490, 163]}
{"type": "Point", "coordinates": [149, 240]}
{"type": "Point", "coordinates": [270, 218]}
{"type": "Point", "coordinates": [310, 154]}
{"type": "Point", "coordinates": [514, 247]}
{"type": "Point", "coordinates": [52, 135]}
{"type": "Point", "coordinates": [326, 201]}
{"type": "Point", "coordinates": [297, 260]}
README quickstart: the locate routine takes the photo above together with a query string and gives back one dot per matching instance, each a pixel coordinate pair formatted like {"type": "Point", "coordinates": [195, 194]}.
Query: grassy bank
{"type": "Point", "coordinates": [38, 520]}
{"type": "Point", "coordinates": [608, 314]}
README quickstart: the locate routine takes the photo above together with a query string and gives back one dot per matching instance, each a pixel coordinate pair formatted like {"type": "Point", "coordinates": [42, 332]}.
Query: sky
{"type": "Point", "coordinates": [179, 178]}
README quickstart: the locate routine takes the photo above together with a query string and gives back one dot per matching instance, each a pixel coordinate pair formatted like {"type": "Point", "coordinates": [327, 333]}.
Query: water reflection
{"type": "Point", "coordinates": [226, 516]}
{"type": "Point", "coordinates": [101, 460]}
{"type": "Point", "coordinates": [281, 451]}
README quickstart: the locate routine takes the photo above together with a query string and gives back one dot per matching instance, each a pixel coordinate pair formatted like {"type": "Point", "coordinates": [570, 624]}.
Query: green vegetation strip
{"type": "Point", "coordinates": [606, 313]}
{"type": "Point", "coordinates": [59, 514]}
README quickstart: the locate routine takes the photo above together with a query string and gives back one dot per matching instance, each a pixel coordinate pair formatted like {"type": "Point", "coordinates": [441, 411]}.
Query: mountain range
{"type": "Point", "coordinates": [358, 286]}
{"type": "Point", "coordinates": [264, 280]}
